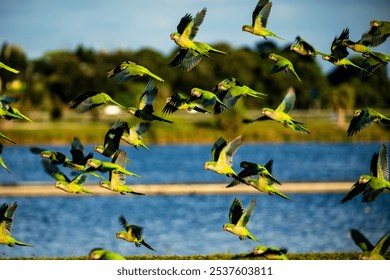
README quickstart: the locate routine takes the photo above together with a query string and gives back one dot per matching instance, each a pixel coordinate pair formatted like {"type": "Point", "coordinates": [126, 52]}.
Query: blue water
{"type": "Point", "coordinates": [188, 225]}
{"type": "Point", "coordinates": [184, 163]}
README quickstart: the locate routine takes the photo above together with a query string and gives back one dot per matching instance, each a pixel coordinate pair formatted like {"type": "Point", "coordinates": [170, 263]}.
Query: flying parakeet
{"type": "Point", "coordinates": [280, 114]}
{"type": "Point", "coordinates": [89, 100]}
{"type": "Point", "coordinates": [129, 70]}
{"type": "Point", "coordinates": [373, 185]}
{"type": "Point", "coordinates": [132, 233]}
{"type": "Point", "coordinates": [369, 251]}
{"type": "Point", "coordinates": [363, 118]}
{"type": "Point", "coordinates": [282, 64]}
{"type": "Point", "coordinates": [239, 218]}
{"type": "Point", "coordinates": [259, 20]}
{"type": "Point", "coordinates": [6, 220]}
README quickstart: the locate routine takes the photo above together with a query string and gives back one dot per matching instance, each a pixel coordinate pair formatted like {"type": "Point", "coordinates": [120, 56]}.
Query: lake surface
{"type": "Point", "coordinates": [189, 225]}
{"type": "Point", "coordinates": [184, 163]}
{"type": "Point", "coordinates": [192, 224]}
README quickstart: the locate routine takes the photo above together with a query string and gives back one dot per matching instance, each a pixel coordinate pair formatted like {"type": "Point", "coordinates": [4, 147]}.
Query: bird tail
{"type": "Point", "coordinates": [142, 144]}
{"type": "Point", "coordinates": [3, 165]}
{"type": "Point", "coordinates": [147, 245]}
{"type": "Point", "coordinates": [281, 194]}
{"type": "Point", "coordinates": [155, 76]}
{"type": "Point", "coordinates": [200, 110]}
{"type": "Point", "coordinates": [86, 191]}
{"type": "Point", "coordinates": [299, 127]}
{"type": "Point", "coordinates": [19, 243]}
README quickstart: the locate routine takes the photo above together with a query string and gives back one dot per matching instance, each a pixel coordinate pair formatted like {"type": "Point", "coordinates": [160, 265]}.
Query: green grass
{"type": "Point", "coordinates": [190, 129]}
{"type": "Point", "coordinates": [291, 256]}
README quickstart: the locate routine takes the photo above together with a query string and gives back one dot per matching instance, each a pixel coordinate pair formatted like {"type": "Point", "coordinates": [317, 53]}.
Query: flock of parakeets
{"type": "Point", "coordinates": [222, 98]}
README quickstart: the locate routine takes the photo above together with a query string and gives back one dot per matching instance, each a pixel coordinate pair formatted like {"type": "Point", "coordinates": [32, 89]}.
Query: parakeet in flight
{"type": "Point", "coordinates": [102, 254]}
{"type": "Point", "coordinates": [364, 117]}
{"type": "Point", "coordinates": [239, 218]}
{"type": "Point", "coordinates": [372, 63]}
{"type": "Point", "coordinates": [132, 233]}
{"type": "Point", "coordinates": [304, 48]}
{"type": "Point", "coordinates": [259, 20]}
{"type": "Point", "coordinates": [270, 253]}
{"type": "Point", "coordinates": [7, 212]}
{"type": "Point", "coordinates": [133, 134]}
{"type": "Point", "coordinates": [117, 180]}
{"type": "Point", "coordinates": [373, 185]}
{"type": "Point", "coordinates": [222, 157]}
{"type": "Point", "coordinates": [179, 101]}
{"type": "Point", "coordinates": [63, 182]}
{"type": "Point", "coordinates": [106, 166]}
{"type": "Point", "coordinates": [369, 251]}
{"type": "Point", "coordinates": [377, 34]}
{"type": "Point", "coordinates": [129, 70]}
{"type": "Point", "coordinates": [229, 91]}
{"type": "Point", "coordinates": [191, 52]}
{"type": "Point", "coordinates": [89, 100]}
{"type": "Point", "coordinates": [280, 114]}
{"type": "Point", "coordinates": [282, 64]}
{"type": "Point", "coordinates": [145, 110]}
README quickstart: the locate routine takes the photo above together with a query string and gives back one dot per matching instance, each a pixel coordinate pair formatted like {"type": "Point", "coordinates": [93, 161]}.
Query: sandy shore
{"type": "Point", "coordinates": [179, 189]}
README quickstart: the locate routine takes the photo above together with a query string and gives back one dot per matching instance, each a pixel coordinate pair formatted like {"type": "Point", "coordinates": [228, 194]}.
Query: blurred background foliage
{"type": "Point", "coordinates": [48, 83]}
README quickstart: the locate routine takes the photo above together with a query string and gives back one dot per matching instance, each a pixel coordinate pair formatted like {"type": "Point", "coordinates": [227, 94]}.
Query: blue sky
{"type": "Point", "coordinates": [43, 25]}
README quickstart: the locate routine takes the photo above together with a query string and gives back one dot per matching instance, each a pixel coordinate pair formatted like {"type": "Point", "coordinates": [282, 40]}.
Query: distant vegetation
{"type": "Point", "coordinates": [45, 85]}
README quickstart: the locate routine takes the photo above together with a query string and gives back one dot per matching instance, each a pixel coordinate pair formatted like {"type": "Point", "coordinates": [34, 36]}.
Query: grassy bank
{"type": "Point", "coordinates": [188, 129]}
{"type": "Point", "coordinates": [291, 256]}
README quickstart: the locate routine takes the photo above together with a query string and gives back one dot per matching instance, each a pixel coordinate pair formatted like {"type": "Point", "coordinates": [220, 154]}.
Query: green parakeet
{"type": "Point", "coordinates": [280, 114]}
{"type": "Point", "coordinates": [129, 70]}
{"type": "Point", "coordinates": [54, 156]}
{"type": "Point", "coordinates": [8, 68]}
{"type": "Point", "coordinates": [304, 48]}
{"type": "Point", "coordinates": [6, 220]}
{"type": "Point", "coordinates": [117, 180]}
{"type": "Point", "coordinates": [222, 157]}
{"type": "Point", "coordinates": [145, 110]}
{"type": "Point", "coordinates": [270, 253]}
{"type": "Point", "coordinates": [369, 251]}
{"type": "Point", "coordinates": [239, 218]}
{"type": "Point", "coordinates": [2, 161]}
{"type": "Point", "coordinates": [364, 117]}
{"type": "Point", "coordinates": [282, 64]}
{"type": "Point", "coordinates": [132, 233]}
{"type": "Point", "coordinates": [208, 98]}
{"type": "Point", "coordinates": [10, 112]}
{"type": "Point", "coordinates": [63, 182]}
{"type": "Point", "coordinates": [371, 186]}
{"type": "Point", "coordinates": [102, 254]}
{"type": "Point", "coordinates": [112, 140]}
{"type": "Point", "coordinates": [191, 52]}
{"type": "Point", "coordinates": [259, 20]}
{"type": "Point", "coordinates": [229, 91]}
{"type": "Point", "coordinates": [377, 34]}
{"type": "Point", "coordinates": [133, 134]}
{"type": "Point", "coordinates": [89, 100]}
{"type": "Point", "coordinates": [105, 166]}
{"type": "Point", "coordinates": [179, 101]}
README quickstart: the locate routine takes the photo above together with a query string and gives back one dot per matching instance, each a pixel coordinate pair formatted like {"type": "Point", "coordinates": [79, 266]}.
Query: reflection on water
{"type": "Point", "coordinates": [188, 225]}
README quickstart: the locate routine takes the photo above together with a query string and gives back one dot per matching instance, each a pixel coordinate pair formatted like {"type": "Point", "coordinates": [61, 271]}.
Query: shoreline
{"type": "Point", "coordinates": [179, 189]}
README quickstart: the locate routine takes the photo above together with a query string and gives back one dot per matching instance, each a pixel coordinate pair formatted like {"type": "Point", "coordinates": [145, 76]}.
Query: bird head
{"type": "Point", "coordinates": [228, 227]}
{"type": "Point", "coordinates": [273, 57]}
{"type": "Point", "coordinates": [121, 234]}
{"type": "Point", "coordinates": [132, 110]}
{"type": "Point", "coordinates": [96, 254]}
{"type": "Point", "coordinates": [227, 83]}
{"type": "Point", "coordinates": [195, 92]}
{"type": "Point", "coordinates": [375, 23]}
{"type": "Point", "coordinates": [105, 184]}
{"type": "Point", "coordinates": [60, 185]}
{"type": "Point", "coordinates": [174, 36]}
{"type": "Point", "coordinates": [258, 250]}
{"type": "Point", "coordinates": [46, 154]}
{"type": "Point", "coordinates": [266, 111]}
{"type": "Point", "coordinates": [326, 57]}
{"type": "Point", "coordinates": [364, 179]}
{"type": "Point", "coordinates": [357, 113]}
{"type": "Point", "coordinates": [247, 27]}
{"type": "Point", "coordinates": [99, 148]}
{"type": "Point", "coordinates": [93, 163]}
{"type": "Point", "coordinates": [209, 165]}
{"type": "Point", "coordinates": [294, 47]}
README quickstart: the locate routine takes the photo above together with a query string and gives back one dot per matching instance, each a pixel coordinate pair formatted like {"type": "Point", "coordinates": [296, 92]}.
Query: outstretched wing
{"type": "Point", "coordinates": [383, 164]}
{"type": "Point", "coordinates": [361, 241]}
{"type": "Point", "coordinates": [7, 217]}
{"type": "Point", "coordinates": [287, 103]}
{"type": "Point", "coordinates": [226, 155]}
{"type": "Point", "coordinates": [247, 214]}
{"type": "Point", "coordinates": [146, 99]}
{"type": "Point", "coordinates": [236, 211]}
{"type": "Point", "coordinates": [261, 13]}
{"type": "Point", "coordinates": [217, 148]}
{"type": "Point", "coordinates": [360, 120]}
{"type": "Point", "coordinates": [190, 27]}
